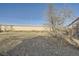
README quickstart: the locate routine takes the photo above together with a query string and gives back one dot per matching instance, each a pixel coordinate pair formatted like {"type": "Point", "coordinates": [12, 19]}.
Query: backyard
{"type": "Point", "coordinates": [39, 29]}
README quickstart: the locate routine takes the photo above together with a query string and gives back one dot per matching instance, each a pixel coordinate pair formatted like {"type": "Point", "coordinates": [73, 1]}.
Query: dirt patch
{"type": "Point", "coordinates": [43, 46]}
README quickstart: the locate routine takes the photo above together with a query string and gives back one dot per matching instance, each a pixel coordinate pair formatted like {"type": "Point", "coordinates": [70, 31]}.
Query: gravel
{"type": "Point", "coordinates": [43, 46]}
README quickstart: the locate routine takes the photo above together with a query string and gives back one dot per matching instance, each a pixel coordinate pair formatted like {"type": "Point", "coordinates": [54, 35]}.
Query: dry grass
{"type": "Point", "coordinates": [9, 40]}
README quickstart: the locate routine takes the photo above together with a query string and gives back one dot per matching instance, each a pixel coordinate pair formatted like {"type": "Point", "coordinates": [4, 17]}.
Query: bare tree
{"type": "Point", "coordinates": [57, 17]}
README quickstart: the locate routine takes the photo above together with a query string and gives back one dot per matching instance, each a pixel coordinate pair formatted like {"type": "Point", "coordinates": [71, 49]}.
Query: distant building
{"type": "Point", "coordinates": [75, 27]}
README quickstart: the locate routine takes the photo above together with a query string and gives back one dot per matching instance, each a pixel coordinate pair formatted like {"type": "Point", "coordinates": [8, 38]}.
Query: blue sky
{"type": "Point", "coordinates": [22, 13]}
{"type": "Point", "coordinates": [26, 14]}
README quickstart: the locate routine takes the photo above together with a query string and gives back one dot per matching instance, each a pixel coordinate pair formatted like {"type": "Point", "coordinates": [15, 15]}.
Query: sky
{"type": "Point", "coordinates": [28, 14]}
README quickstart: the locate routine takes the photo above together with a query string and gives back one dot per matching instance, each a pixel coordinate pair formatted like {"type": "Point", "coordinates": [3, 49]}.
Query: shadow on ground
{"type": "Point", "coordinates": [43, 46]}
